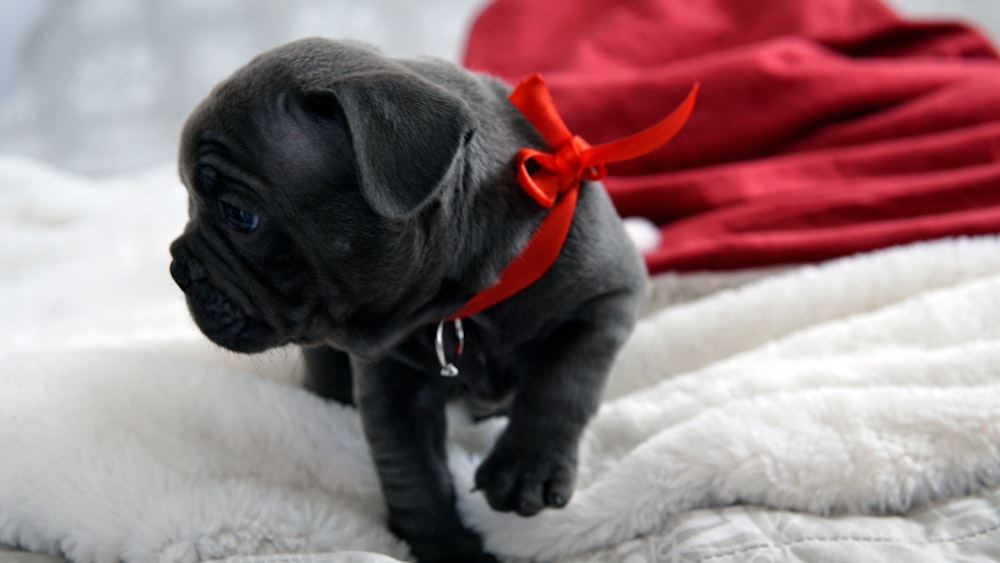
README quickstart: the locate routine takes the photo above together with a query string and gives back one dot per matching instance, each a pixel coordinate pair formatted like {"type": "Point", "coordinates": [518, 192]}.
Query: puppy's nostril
{"type": "Point", "coordinates": [180, 273]}
{"type": "Point", "coordinates": [186, 272]}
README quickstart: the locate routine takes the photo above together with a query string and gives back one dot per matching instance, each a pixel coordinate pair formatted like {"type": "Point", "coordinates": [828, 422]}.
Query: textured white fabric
{"type": "Point", "coordinates": [864, 385]}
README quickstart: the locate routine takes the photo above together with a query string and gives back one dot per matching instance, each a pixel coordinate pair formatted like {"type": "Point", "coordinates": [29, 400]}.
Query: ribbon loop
{"type": "Point", "coordinates": [553, 181]}
{"type": "Point", "coordinates": [573, 159]}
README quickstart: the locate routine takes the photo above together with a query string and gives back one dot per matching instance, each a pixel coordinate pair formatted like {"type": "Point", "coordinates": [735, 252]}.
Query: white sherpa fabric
{"type": "Point", "coordinates": [861, 386]}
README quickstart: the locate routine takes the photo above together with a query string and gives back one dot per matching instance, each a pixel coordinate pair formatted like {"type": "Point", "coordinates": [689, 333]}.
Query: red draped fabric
{"type": "Point", "coordinates": [823, 127]}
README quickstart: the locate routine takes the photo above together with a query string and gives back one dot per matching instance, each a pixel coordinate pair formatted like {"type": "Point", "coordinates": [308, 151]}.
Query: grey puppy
{"type": "Point", "coordinates": [346, 202]}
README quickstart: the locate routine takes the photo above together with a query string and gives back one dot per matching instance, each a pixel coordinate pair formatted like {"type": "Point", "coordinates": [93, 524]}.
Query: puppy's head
{"type": "Point", "coordinates": [315, 174]}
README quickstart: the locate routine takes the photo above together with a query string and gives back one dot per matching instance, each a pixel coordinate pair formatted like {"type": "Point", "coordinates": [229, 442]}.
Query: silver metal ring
{"type": "Point", "coordinates": [448, 369]}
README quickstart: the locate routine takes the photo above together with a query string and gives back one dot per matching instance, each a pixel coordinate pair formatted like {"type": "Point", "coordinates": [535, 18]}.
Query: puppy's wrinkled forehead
{"type": "Point", "coordinates": [296, 107]}
{"type": "Point", "coordinates": [269, 136]}
{"type": "Point", "coordinates": [270, 103]}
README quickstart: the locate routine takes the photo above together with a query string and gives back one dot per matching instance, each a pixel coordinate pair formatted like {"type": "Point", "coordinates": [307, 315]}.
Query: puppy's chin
{"type": "Point", "coordinates": [226, 324]}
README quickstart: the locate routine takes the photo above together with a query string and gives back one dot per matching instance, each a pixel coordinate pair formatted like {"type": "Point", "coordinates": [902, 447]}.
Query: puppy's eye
{"type": "Point", "coordinates": [238, 219]}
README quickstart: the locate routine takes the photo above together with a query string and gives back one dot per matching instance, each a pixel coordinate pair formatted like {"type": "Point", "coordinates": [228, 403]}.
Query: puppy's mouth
{"type": "Point", "coordinates": [219, 317]}
{"type": "Point", "coordinates": [225, 323]}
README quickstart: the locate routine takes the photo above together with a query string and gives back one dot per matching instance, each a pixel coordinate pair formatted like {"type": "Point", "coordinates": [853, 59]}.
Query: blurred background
{"type": "Point", "coordinates": [102, 86]}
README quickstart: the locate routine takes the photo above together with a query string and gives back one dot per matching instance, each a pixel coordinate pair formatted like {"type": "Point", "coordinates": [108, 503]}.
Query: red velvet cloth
{"type": "Point", "coordinates": [823, 127]}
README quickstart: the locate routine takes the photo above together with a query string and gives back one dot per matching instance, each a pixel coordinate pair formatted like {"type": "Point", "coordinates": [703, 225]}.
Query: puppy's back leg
{"type": "Point", "coordinates": [328, 373]}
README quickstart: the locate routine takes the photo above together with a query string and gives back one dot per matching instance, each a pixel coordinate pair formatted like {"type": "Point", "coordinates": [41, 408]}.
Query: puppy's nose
{"type": "Point", "coordinates": [184, 268]}
{"type": "Point", "coordinates": [181, 274]}
{"type": "Point", "coordinates": [186, 272]}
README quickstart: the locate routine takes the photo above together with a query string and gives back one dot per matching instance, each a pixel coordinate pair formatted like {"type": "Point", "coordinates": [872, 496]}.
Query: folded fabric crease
{"type": "Point", "coordinates": [814, 121]}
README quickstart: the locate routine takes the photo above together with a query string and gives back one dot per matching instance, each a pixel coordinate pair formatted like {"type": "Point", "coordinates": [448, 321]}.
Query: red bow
{"type": "Point", "coordinates": [555, 182]}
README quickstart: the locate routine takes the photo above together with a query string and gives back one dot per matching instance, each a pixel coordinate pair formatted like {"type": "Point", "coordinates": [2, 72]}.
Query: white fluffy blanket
{"type": "Point", "coordinates": [865, 385]}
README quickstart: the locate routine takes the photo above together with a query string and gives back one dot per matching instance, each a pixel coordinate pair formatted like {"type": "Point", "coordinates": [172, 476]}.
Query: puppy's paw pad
{"type": "Point", "coordinates": [525, 482]}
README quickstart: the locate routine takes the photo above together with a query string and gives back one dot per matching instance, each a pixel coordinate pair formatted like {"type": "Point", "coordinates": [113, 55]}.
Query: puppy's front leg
{"type": "Point", "coordinates": [533, 464]}
{"type": "Point", "coordinates": [404, 421]}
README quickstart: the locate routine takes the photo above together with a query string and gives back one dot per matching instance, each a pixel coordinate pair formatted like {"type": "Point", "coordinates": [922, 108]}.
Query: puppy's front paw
{"type": "Point", "coordinates": [518, 479]}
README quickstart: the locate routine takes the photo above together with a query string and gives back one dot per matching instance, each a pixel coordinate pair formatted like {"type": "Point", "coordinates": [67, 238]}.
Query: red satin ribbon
{"type": "Point", "coordinates": [555, 182]}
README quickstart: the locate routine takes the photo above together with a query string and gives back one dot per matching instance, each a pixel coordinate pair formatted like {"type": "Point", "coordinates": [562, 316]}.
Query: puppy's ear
{"type": "Point", "coordinates": [407, 133]}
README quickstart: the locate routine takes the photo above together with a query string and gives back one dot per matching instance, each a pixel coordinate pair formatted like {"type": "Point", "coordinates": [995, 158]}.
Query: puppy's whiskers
{"type": "Point", "coordinates": [297, 370]}
{"type": "Point", "coordinates": [255, 362]}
